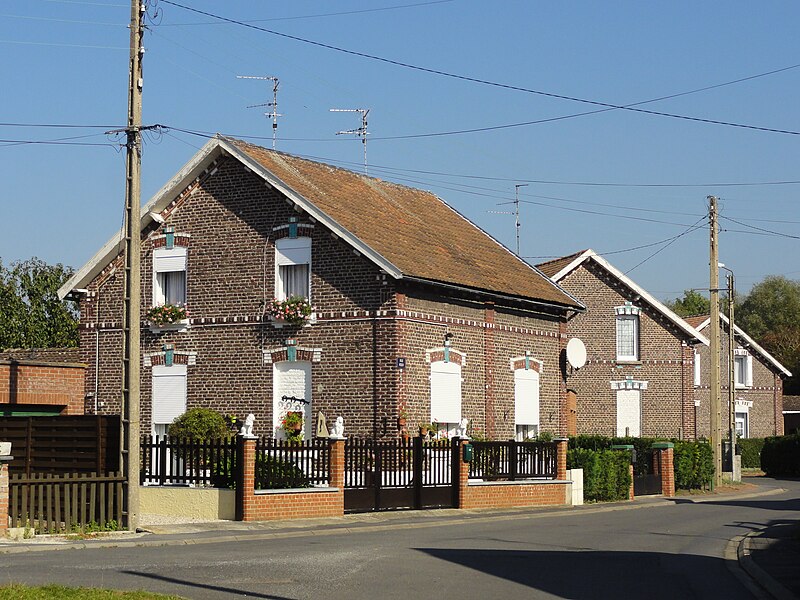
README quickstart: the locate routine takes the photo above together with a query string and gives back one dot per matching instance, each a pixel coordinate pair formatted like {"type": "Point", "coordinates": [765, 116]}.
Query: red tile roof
{"type": "Point", "coordinates": [551, 267]}
{"type": "Point", "coordinates": [696, 320]}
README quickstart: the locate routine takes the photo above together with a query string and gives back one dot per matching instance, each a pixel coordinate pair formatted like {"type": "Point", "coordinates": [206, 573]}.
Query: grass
{"type": "Point", "coordinates": [17, 591]}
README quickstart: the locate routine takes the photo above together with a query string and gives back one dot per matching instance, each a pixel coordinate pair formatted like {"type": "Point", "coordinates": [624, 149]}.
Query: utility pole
{"type": "Point", "coordinates": [716, 413]}
{"type": "Point", "coordinates": [131, 324]}
{"type": "Point", "coordinates": [273, 113]}
{"type": "Point", "coordinates": [360, 132]}
{"type": "Point", "coordinates": [516, 210]}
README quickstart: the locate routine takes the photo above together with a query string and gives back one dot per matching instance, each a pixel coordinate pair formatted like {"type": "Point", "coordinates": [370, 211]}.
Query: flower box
{"type": "Point", "coordinates": [292, 311]}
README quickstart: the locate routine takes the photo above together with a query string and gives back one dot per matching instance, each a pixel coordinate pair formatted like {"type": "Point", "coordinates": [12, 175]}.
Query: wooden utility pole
{"type": "Point", "coordinates": [716, 412]}
{"type": "Point", "coordinates": [131, 358]}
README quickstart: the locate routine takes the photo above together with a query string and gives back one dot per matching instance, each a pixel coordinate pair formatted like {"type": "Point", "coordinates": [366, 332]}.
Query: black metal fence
{"type": "Point", "coordinates": [280, 464]}
{"type": "Point", "coordinates": [181, 461]}
{"type": "Point", "coordinates": [493, 461]}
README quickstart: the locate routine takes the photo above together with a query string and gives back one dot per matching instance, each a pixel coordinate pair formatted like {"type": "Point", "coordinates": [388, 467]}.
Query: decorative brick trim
{"type": "Point", "coordinates": [410, 315]}
{"type": "Point", "coordinates": [284, 231]}
{"type": "Point", "coordinates": [526, 362]}
{"type": "Point", "coordinates": [181, 240]}
{"type": "Point", "coordinates": [276, 355]}
{"type": "Point", "coordinates": [629, 384]}
{"type": "Point", "coordinates": [627, 309]}
{"type": "Point", "coordinates": [179, 357]}
{"type": "Point", "coordinates": [446, 354]}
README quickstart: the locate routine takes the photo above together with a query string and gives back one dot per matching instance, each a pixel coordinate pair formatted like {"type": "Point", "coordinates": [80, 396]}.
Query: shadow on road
{"type": "Point", "coordinates": [592, 575]}
{"type": "Point", "coordinates": [791, 504]}
{"type": "Point", "coordinates": [205, 586]}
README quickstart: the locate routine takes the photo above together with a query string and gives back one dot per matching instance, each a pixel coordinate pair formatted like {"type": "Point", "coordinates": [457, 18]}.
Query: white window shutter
{"type": "Point", "coordinates": [445, 392]}
{"type": "Point", "coordinates": [629, 408]}
{"type": "Point", "coordinates": [749, 371]}
{"type": "Point", "coordinates": [169, 393]}
{"type": "Point", "coordinates": [293, 251]}
{"type": "Point", "coordinates": [165, 260]}
{"type": "Point", "coordinates": [526, 397]}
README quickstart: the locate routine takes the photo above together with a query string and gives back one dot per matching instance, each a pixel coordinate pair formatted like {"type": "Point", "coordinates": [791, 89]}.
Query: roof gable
{"type": "Point", "coordinates": [564, 266]}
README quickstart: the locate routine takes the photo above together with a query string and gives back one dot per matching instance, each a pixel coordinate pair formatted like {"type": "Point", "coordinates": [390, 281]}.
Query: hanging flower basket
{"type": "Point", "coordinates": [168, 316]}
{"type": "Point", "coordinates": [295, 310]}
{"type": "Point", "coordinates": [292, 425]}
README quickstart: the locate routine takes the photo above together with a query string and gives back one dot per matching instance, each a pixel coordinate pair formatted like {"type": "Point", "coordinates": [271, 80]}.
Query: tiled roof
{"type": "Point", "coordinates": [413, 229]}
{"type": "Point", "coordinates": [551, 267]}
{"type": "Point", "coordinates": [696, 320]}
{"type": "Point", "coordinates": [791, 403]}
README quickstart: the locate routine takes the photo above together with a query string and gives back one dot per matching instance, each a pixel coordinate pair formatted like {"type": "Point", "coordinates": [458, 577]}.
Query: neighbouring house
{"type": "Point", "coordinates": [638, 376]}
{"type": "Point", "coordinates": [791, 414]}
{"type": "Point", "coordinates": [758, 383]}
{"type": "Point", "coordinates": [416, 313]}
{"type": "Point", "coordinates": [41, 382]}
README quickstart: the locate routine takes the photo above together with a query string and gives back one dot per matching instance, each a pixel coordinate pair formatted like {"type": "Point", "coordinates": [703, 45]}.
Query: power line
{"type": "Point", "coordinates": [59, 126]}
{"type": "Point", "coordinates": [62, 45]}
{"type": "Point", "coordinates": [760, 229]}
{"type": "Point", "coordinates": [485, 82]}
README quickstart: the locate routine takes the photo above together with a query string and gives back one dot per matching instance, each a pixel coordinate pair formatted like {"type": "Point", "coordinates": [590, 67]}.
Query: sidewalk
{"type": "Point", "coordinates": [772, 557]}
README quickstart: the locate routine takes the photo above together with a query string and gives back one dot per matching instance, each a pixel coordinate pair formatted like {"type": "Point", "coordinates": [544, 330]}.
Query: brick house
{"type": "Point", "coordinates": [41, 382]}
{"type": "Point", "coordinates": [758, 387]}
{"type": "Point", "coordinates": [638, 375]}
{"type": "Point", "coordinates": [416, 311]}
{"type": "Point", "coordinates": [791, 414]}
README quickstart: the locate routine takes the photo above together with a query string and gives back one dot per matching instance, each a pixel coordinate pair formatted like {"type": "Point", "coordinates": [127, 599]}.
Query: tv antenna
{"type": "Point", "coordinates": [360, 132]}
{"type": "Point", "coordinates": [273, 113]}
{"type": "Point", "coordinates": [515, 202]}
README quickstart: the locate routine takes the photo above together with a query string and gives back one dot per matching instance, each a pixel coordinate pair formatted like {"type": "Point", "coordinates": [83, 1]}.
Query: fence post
{"type": "Point", "coordinates": [4, 487]}
{"type": "Point", "coordinates": [336, 477]}
{"type": "Point", "coordinates": [561, 458]}
{"type": "Point", "coordinates": [245, 475]}
{"type": "Point", "coordinates": [461, 500]}
{"type": "Point", "coordinates": [665, 459]}
{"type": "Point", "coordinates": [512, 460]}
{"type": "Point", "coordinates": [417, 458]}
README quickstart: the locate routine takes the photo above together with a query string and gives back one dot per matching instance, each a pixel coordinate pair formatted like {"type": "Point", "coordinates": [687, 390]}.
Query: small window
{"type": "Point", "coordinates": [743, 370]}
{"type": "Point", "coordinates": [742, 425]}
{"type": "Point", "coordinates": [526, 432]}
{"type": "Point", "coordinates": [696, 368]}
{"type": "Point", "coordinates": [627, 337]}
{"type": "Point", "coordinates": [169, 276]}
{"type": "Point", "coordinates": [293, 268]}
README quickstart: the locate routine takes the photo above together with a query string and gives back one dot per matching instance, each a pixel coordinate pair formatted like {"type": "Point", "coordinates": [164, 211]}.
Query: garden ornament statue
{"type": "Point", "coordinates": [247, 428]}
{"type": "Point", "coordinates": [337, 430]}
{"type": "Point", "coordinates": [461, 430]}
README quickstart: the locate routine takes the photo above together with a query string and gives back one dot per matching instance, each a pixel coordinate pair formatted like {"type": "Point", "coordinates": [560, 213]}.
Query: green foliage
{"type": "Point", "coordinates": [606, 473]}
{"type": "Point", "coordinates": [750, 449]}
{"type": "Point", "coordinates": [692, 303]}
{"type": "Point", "coordinates": [694, 465]}
{"type": "Point", "coordinates": [166, 314]}
{"type": "Point", "coordinates": [200, 424]}
{"type": "Point", "coordinates": [780, 456]}
{"type": "Point", "coordinates": [642, 447]}
{"type": "Point", "coordinates": [271, 472]}
{"type": "Point", "coordinates": [295, 310]}
{"type": "Point", "coordinates": [31, 315]}
{"type": "Point", "coordinates": [16, 591]}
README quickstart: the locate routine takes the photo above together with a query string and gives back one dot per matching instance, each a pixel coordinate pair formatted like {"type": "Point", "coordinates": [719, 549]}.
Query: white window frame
{"type": "Point", "coordinates": [696, 366]}
{"type": "Point", "coordinates": [527, 397]}
{"type": "Point", "coordinates": [742, 415]}
{"type": "Point", "coordinates": [627, 395]}
{"type": "Point", "coordinates": [281, 388]}
{"type": "Point", "coordinates": [624, 314]}
{"type": "Point", "coordinates": [168, 260]}
{"type": "Point", "coordinates": [445, 391]}
{"type": "Point", "coordinates": [743, 356]}
{"type": "Point", "coordinates": [171, 381]}
{"type": "Point", "coordinates": [288, 252]}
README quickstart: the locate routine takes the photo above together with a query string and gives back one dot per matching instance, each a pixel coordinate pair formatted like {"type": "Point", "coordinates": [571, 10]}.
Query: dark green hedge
{"type": "Point", "coordinates": [694, 465]}
{"type": "Point", "coordinates": [750, 449]}
{"type": "Point", "coordinates": [780, 456]}
{"type": "Point", "coordinates": [642, 446]}
{"type": "Point", "coordinates": [606, 474]}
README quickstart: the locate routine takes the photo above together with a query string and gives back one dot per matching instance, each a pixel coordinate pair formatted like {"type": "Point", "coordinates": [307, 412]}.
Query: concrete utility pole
{"type": "Point", "coordinates": [517, 224]}
{"type": "Point", "coordinates": [131, 324]}
{"type": "Point", "coordinates": [716, 413]}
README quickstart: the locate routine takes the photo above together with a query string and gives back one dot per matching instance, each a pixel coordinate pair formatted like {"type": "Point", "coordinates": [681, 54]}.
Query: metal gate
{"type": "Point", "coordinates": [399, 474]}
{"type": "Point", "coordinates": [646, 477]}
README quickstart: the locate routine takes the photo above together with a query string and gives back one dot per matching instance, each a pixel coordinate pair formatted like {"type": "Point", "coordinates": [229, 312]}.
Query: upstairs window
{"type": "Point", "coordinates": [743, 369]}
{"type": "Point", "coordinates": [627, 332]}
{"type": "Point", "coordinates": [293, 268]}
{"type": "Point", "coordinates": [169, 276]}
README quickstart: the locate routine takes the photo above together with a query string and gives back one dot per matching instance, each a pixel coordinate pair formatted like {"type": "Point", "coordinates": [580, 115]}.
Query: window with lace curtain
{"type": "Point", "coordinates": [293, 268]}
{"type": "Point", "coordinates": [169, 276]}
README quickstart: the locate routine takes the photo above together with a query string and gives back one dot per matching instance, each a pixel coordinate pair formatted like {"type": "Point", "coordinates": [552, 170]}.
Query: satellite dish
{"type": "Point", "coordinates": [576, 353]}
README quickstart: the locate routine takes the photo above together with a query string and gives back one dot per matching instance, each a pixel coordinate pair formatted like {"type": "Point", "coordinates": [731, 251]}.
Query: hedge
{"type": "Point", "coordinates": [781, 456]}
{"type": "Point", "coordinates": [606, 473]}
{"type": "Point", "coordinates": [694, 465]}
{"type": "Point", "coordinates": [642, 447]}
{"type": "Point", "coordinates": [750, 449]}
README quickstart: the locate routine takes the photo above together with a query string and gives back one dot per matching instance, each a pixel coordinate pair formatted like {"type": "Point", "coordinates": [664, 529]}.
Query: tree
{"type": "Point", "coordinates": [31, 314]}
{"type": "Point", "coordinates": [692, 303]}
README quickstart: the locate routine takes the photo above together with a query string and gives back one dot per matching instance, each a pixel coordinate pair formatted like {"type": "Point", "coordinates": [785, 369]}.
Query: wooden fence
{"type": "Point", "coordinates": [53, 503]}
{"type": "Point", "coordinates": [68, 444]}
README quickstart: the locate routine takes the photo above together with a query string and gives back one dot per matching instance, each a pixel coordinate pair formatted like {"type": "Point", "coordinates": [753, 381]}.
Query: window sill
{"type": "Point", "coordinates": [180, 326]}
{"type": "Point", "coordinates": [628, 361]}
{"type": "Point", "coordinates": [280, 323]}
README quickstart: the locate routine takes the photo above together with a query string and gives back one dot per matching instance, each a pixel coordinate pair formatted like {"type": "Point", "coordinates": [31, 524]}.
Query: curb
{"type": "Point", "coordinates": [764, 579]}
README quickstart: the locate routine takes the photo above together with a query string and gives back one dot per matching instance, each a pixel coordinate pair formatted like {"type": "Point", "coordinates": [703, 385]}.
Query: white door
{"type": "Point", "coordinates": [292, 392]}
{"type": "Point", "coordinates": [629, 413]}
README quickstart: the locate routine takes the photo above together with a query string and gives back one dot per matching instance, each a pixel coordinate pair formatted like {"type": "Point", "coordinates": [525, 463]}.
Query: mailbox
{"type": "Point", "coordinates": [467, 452]}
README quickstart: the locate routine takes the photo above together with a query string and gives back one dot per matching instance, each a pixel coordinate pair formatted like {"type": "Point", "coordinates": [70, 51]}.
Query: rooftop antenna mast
{"type": "Point", "coordinates": [273, 113]}
{"type": "Point", "coordinates": [517, 224]}
{"type": "Point", "coordinates": [360, 132]}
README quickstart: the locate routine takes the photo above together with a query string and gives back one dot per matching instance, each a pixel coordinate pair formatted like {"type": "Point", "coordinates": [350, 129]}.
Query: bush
{"type": "Point", "coordinates": [642, 447]}
{"type": "Point", "coordinates": [694, 465]}
{"type": "Point", "coordinates": [277, 473]}
{"type": "Point", "coordinates": [200, 424]}
{"type": "Point", "coordinates": [751, 452]}
{"type": "Point", "coordinates": [606, 473]}
{"type": "Point", "coordinates": [781, 456]}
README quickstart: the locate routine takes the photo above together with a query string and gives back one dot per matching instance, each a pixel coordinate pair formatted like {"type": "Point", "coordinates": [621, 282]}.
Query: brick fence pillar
{"type": "Point", "coordinates": [4, 460]}
{"type": "Point", "coordinates": [561, 458]}
{"type": "Point", "coordinates": [630, 491]}
{"type": "Point", "coordinates": [666, 468]}
{"type": "Point", "coordinates": [463, 475]}
{"type": "Point", "coordinates": [336, 478]}
{"type": "Point", "coordinates": [245, 476]}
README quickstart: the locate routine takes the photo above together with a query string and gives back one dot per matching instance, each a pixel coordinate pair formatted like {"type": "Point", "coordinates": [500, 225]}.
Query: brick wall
{"type": "Point", "coordinates": [42, 384]}
{"type": "Point", "coordinates": [3, 496]}
{"type": "Point", "coordinates": [665, 360]}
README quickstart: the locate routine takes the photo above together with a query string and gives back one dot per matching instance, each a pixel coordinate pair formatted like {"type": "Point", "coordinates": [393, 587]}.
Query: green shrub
{"type": "Point", "coordinates": [642, 447]}
{"type": "Point", "coordinates": [277, 473]}
{"type": "Point", "coordinates": [200, 424]}
{"type": "Point", "coordinates": [694, 465]}
{"type": "Point", "coordinates": [780, 456]}
{"type": "Point", "coordinates": [606, 473]}
{"type": "Point", "coordinates": [750, 449]}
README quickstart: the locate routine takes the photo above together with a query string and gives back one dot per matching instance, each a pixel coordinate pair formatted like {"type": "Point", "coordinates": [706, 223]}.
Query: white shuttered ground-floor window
{"type": "Point", "coordinates": [169, 395]}
{"type": "Point", "coordinates": [446, 395]}
{"type": "Point", "coordinates": [526, 403]}
{"type": "Point", "coordinates": [629, 413]}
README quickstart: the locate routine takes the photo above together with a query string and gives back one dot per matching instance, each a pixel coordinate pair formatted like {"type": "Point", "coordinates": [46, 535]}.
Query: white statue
{"type": "Point", "coordinates": [247, 428]}
{"type": "Point", "coordinates": [461, 430]}
{"type": "Point", "coordinates": [337, 431]}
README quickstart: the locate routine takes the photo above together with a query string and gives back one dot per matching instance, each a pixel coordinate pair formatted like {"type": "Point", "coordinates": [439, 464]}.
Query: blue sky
{"type": "Point", "coordinates": [65, 62]}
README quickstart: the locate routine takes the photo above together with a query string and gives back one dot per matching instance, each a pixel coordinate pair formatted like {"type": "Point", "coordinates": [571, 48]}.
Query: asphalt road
{"type": "Point", "coordinates": [674, 551]}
